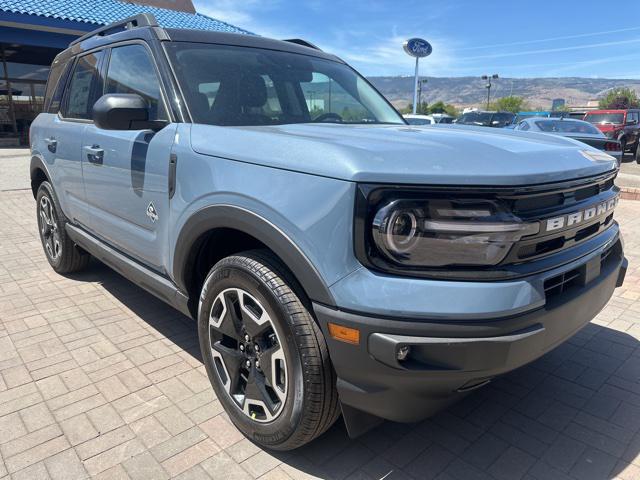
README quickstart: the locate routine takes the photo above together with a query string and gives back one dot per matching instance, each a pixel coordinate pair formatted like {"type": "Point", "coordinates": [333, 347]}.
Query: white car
{"type": "Point", "coordinates": [419, 119]}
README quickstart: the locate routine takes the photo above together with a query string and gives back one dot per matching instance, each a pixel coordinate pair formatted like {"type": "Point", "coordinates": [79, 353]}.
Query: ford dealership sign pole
{"type": "Point", "coordinates": [418, 48]}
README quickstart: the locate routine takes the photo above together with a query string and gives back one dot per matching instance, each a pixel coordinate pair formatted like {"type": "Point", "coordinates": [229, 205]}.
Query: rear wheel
{"type": "Point", "coordinates": [63, 255]}
{"type": "Point", "coordinates": [265, 356]}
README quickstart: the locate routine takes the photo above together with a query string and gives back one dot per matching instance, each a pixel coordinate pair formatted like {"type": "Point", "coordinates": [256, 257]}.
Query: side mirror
{"type": "Point", "coordinates": [121, 111]}
{"type": "Point", "coordinates": [632, 122]}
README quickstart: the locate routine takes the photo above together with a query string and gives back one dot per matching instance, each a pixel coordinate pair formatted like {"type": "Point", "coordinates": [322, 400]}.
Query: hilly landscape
{"type": "Point", "coordinates": [470, 91]}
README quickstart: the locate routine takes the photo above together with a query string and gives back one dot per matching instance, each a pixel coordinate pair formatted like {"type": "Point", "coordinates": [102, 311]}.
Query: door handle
{"type": "Point", "coordinates": [52, 144]}
{"type": "Point", "coordinates": [95, 154]}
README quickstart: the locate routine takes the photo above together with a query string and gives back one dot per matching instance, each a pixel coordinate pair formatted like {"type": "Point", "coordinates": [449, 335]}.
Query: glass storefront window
{"type": "Point", "coordinates": [25, 71]}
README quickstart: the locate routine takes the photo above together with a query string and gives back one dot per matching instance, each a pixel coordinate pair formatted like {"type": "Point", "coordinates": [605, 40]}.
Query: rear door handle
{"type": "Point", "coordinates": [95, 154]}
{"type": "Point", "coordinates": [52, 144]}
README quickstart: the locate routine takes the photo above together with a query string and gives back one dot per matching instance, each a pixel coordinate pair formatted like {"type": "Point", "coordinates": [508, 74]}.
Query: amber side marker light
{"type": "Point", "coordinates": [344, 334]}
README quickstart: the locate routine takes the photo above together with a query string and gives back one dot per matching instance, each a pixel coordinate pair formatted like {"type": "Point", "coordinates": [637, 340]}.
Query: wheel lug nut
{"type": "Point", "coordinates": [248, 363]}
{"type": "Point", "coordinates": [241, 347]}
{"type": "Point", "coordinates": [258, 364]}
{"type": "Point", "coordinates": [257, 347]}
{"type": "Point", "coordinates": [246, 337]}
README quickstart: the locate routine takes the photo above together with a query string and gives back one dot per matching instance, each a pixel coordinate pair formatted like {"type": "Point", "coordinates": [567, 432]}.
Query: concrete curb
{"type": "Point", "coordinates": [630, 193]}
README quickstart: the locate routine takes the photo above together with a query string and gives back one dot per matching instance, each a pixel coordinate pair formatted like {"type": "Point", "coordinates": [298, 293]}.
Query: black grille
{"type": "Point", "coordinates": [542, 207]}
{"type": "Point", "coordinates": [561, 283]}
{"type": "Point", "coordinates": [564, 282]}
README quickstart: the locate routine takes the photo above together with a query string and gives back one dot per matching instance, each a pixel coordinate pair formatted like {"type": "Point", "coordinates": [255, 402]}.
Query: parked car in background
{"type": "Point", "coordinates": [576, 114]}
{"type": "Point", "coordinates": [486, 119]}
{"type": "Point", "coordinates": [621, 125]}
{"type": "Point", "coordinates": [576, 129]}
{"type": "Point", "coordinates": [418, 119]}
{"type": "Point", "coordinates": [432, 119]}
{"type": "Point", "coordinates": [522, 115]}
{"type": "Point", "coordinates": [442, 118]}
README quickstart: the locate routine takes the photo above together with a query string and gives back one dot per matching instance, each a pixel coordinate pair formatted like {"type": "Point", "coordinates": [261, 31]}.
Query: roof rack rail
{"type": "Point", "coordinates": [140, 20]}
{"type": "Point", "coordinates": [302, 42]}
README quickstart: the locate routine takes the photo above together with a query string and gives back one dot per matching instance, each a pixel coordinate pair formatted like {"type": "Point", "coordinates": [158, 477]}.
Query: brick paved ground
{"type": "Point", "coordinates": [98, 378]}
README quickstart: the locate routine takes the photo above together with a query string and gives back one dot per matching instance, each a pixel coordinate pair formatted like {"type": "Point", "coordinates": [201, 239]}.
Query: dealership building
{"type": "Point", "coordinates": [32, 32]}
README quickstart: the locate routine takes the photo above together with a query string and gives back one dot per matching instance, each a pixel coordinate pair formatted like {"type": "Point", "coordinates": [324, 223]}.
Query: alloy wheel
{"type": "Point", "coordinates": [49, 228]}
{"type": "Point", "coordinates": [248, 355]}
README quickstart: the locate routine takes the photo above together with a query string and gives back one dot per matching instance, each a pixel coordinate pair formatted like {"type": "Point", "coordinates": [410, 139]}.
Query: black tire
{"type": "Point", "coordinates": [63, 255]}
{"type": "Point", "coordinates": [623, 147]}
{"type": "Point", "coordinates": [311, 400]}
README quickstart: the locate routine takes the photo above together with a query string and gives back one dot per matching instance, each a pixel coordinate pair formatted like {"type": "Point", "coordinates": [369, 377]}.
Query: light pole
{"type": "Point", "coordinates": [488, 78]}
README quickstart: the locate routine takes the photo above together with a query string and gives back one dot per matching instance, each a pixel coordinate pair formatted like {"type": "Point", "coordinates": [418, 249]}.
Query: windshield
{"type": "Point", "coordinates": [234, 86]}
{"type": "Point", "coordinates": [566, 126]}
{"type": "Point", "coordinates": [617, 118]}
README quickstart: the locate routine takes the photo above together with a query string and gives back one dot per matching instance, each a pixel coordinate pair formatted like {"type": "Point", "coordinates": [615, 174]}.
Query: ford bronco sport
{"type": "Point", "coordinates": [336, 259]}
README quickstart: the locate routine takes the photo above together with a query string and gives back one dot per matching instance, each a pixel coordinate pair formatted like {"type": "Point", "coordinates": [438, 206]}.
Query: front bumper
{"type": "Point", "coordinates": [449, 357]}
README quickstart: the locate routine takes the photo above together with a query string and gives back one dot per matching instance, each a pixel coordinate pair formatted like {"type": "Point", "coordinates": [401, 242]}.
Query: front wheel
{"type": "Point", "coordinates": [264, 354]}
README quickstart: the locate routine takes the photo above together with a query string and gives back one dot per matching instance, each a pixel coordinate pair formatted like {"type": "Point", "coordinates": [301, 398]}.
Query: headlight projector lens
{"type": "Point", "coordinates": [402, 230]}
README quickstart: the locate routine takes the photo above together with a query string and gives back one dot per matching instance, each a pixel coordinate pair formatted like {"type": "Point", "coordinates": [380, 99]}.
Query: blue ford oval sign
{"type": "Point", "coordinates": [417, 47]}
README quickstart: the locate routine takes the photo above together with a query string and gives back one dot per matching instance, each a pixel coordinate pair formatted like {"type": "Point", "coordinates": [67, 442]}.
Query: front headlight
{"type": "Point", "coordinates": [443, 232]}
{"type": "Point", "coordinates": [413, 230]}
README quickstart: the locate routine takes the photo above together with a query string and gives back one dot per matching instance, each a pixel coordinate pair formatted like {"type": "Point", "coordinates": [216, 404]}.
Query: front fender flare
{"type": "Point", "coordinates": [229, 216]}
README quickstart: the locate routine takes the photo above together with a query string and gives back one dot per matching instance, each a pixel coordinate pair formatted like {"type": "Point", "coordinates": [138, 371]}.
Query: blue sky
{"type": "Point", "coordinates": [538, 38]}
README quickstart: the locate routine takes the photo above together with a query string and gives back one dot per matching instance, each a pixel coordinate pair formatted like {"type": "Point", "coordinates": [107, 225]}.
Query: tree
{"type": "Point", "coordinates": [620, 98]}
{"type": "Point", "coordinates": [441, 107]}
{"type": "Point", "coordinates": [511, 104]}
{"type": "Point", "coordinates": [423, 109]}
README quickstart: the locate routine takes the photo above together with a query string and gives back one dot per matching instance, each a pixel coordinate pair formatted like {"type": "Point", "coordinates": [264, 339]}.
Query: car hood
{"type": "Point", "coordinates": [447, 154]}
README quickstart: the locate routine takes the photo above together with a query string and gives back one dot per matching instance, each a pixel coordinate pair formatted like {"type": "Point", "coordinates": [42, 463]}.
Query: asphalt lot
{"type": "Point", "coordinates": [98, 378]}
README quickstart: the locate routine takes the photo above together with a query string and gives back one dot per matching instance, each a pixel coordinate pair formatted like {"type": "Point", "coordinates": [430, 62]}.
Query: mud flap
{"type": "Point", "coordinates": [357, 421]}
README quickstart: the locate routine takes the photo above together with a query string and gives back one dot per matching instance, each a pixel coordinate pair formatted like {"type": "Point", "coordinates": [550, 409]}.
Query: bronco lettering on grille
{"type": "Point", "coordinates": [581, 216]}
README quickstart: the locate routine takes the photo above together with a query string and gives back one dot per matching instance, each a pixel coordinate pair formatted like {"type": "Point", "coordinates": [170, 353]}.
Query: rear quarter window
{"type": "Point", "coordinates": [55, 85]}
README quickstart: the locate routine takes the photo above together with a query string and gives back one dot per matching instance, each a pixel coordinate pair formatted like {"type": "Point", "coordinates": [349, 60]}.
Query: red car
{"type": "Point", "coordinates": [621, 125]}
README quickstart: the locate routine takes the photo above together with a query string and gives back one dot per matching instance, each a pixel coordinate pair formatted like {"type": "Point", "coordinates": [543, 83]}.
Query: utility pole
{"type": "Point", "coordinates": [488, 78]}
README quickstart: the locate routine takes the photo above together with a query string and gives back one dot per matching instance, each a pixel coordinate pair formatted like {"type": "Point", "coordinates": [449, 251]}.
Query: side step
{"type": "Point", "coordinates": [153, 283]}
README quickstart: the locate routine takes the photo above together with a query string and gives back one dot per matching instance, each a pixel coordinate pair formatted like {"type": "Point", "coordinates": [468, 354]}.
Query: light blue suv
{"type": "Point", "coordinates": [336, 259]}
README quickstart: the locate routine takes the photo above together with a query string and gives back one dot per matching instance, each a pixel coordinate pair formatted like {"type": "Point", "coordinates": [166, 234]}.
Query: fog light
{"type": "Point", "coordinates": [403, 352]}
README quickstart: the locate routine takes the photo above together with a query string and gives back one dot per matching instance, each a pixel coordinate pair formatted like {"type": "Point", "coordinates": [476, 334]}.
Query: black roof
{"type": "Point", "coordinates": [144, 27]}
{"type": "Point", "coordinates": [241, 40]}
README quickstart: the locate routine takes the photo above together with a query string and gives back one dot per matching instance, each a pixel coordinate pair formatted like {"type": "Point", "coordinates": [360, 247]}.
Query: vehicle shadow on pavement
{"type": "Point", "coordinates": [574, 413]}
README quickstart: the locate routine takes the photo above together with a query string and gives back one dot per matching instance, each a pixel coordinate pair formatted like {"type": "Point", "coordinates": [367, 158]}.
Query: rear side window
{"type": "Point", "coordinates": [131, 70]}
{"type": "Point", "coordinates": [85, 86]}
{"type": "Point", "coordinates": [55, 86]}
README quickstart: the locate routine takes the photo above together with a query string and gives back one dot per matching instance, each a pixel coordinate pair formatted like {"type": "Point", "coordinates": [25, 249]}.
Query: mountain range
{"type": "Point", "coordinates": [471, 91]}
